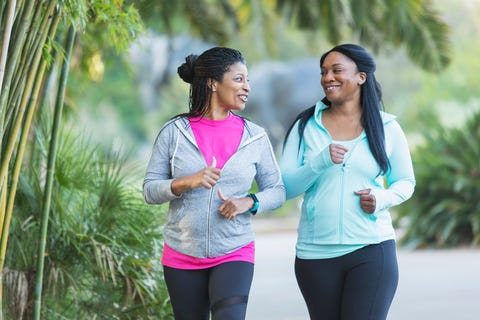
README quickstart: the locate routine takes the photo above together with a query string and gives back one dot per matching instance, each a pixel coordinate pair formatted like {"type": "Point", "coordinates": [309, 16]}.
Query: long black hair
{"type": "Point", "coordinates": [198, 70]}
{"type": "Point", "coordinates": [370, 101]}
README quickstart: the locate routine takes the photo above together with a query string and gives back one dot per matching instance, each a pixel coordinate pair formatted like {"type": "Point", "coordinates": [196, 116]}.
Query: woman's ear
{"type": "Point", "coordinates": [212, 84]}
{"type": "Point", "coordinates": [362, 78]}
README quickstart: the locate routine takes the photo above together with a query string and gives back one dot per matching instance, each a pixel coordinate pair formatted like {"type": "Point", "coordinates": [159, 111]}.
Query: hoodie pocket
{"type": "Point", "coordinates": [242, 219]}
{"type": "Point", "coordinates": [176, 215]}
{"type": "Point", "coordinates": [322, 223]}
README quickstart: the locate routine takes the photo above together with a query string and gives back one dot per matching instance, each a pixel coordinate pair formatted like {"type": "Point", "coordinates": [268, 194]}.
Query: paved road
{"type": "Point", "coordinates": [434, 284]}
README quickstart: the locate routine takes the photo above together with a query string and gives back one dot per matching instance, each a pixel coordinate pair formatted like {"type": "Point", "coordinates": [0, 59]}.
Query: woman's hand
{"type": "Point", "coordinates": [337, 153]}
{"type": "Point", "coordinates": [233, 206]}
{"type": "Point", "coordinates": [368, 202]}
{"type": "Point", "coordinates": [207, 178]}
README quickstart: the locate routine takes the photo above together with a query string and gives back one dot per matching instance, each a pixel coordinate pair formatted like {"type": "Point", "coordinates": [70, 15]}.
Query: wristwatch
{"type": "Point", "coordinates": [254, 209]}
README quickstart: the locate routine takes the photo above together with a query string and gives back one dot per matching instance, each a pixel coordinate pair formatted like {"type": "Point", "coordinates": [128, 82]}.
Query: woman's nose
{"type": "Point", "coordinates": [327, 76]}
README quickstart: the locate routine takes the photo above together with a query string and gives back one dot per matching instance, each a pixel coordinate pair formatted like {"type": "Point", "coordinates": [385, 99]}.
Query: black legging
{"type": "Point", "coordinates": [357, 286]}
{"type": "Point", "coordinates": [222, 290]}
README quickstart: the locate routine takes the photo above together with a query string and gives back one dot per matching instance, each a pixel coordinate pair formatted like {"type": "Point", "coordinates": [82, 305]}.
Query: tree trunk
{"type": "Point", "coordinates": [51, 170]}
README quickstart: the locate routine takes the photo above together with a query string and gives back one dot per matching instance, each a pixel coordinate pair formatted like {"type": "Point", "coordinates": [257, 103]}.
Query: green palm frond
{"type": "Point", "coordinates": [427, 42]}
{"type": "Point", "coordinates": [379, 24]}
{"type": "Point", "coordinates": [215, 23]}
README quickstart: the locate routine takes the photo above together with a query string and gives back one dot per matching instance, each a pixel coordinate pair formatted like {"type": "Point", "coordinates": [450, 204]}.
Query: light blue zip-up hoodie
{"type": "Point", "coordinates": [193, 226]}
{"type": "Point", "coordinates": [331, 212]}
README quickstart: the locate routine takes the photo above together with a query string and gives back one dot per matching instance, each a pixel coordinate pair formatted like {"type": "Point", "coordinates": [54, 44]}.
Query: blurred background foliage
{"type": "Point", "coordinates": [445, 211]}
{"type": "Point", "coordinates": [104, 242]}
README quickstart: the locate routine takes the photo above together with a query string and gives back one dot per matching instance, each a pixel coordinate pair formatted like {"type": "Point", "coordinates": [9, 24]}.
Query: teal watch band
{"type": "Point", "coordinates": [256, 204]}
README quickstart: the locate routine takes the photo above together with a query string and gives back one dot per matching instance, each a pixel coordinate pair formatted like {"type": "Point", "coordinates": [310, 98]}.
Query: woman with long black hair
{"type": "Point", "coordinates": [352, 163]}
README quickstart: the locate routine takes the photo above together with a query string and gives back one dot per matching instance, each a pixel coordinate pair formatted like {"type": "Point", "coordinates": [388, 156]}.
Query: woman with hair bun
{"type": "Point", "coordinates": [203, 163]}
{"type": "Point", "coordinates": [352, 163]}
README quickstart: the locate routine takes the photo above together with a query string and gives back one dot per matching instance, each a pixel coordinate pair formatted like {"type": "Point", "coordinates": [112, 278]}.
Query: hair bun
{"type": "Point", "coordinates": [185, 71]}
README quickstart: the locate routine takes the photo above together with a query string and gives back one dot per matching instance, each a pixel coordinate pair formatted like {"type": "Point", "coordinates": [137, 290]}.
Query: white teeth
{"type": "Point", "coordinates": [244, 98]}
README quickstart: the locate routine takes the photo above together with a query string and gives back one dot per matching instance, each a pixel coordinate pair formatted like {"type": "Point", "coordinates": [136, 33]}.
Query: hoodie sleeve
{"type": "Point", "coordinates": [297, 175]}
{"type": "Point", "coordinates": [158, 177]}
{"type": "Point", "coordinates": [271, 193]}
{"type": "Point", "coordinates": [400, 178]}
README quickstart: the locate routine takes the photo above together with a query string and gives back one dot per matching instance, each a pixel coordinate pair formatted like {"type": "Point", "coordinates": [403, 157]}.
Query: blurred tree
{"type": "Point", "coordinates": [31, 36]}
{"type": "Point", "coordinates": [379, 24]}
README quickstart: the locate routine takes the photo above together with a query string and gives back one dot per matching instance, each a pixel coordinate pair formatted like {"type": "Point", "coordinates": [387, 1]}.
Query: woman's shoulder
{"type": "Point", "coordinates": [388, 117]}
{"type": "Point", "coordinates": [252, 126]}
{"type": "Point", "coordinates": [173, 125]}
{"type": "Point", "coordinates": [176, 121]}
{"type": "Point", "coordinates": [391, 125]}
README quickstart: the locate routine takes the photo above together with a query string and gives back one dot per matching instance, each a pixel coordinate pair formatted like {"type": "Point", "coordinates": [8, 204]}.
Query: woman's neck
{"type": "Point", "coordinates": [217, 114]}
{"type": "Point", "coordinates": [349, 110]}
{"type": "Point", "coordinates": [343, 122]}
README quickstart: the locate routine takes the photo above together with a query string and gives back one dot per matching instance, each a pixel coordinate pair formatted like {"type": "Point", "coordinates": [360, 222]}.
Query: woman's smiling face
{"type": "Point", "coordinates": [232, 92]}
{"type": "Point", "coordinates": [341, 80]}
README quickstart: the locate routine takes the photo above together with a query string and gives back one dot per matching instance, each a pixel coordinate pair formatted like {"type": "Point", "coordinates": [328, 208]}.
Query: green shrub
{"type": "Point", "coordinates": [445, 208]}
{"type": "Point", "coordinates": [104, 242]}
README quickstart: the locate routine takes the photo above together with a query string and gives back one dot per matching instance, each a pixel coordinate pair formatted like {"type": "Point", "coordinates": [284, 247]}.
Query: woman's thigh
{"type": "Point", "coordinates": [320, 282]}
{"type": "Point", "coordinates": [188, 291]}
{"type": "Point", "coordinates": [371, 282]}
{"type": "Point", "coordinates": [359, 285]}
{"type": "Point", "coordinates": [229, 287]}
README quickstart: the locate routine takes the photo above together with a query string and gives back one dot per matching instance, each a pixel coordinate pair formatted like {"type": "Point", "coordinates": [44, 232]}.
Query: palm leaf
{"type": "Point", "coordinates": [379, 24]}
{"type": "Point", "coordinates": [427, 42]}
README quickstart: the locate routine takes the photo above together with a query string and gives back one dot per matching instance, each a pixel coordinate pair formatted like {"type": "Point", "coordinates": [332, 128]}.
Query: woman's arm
{"type": "Point", "coordinates": [159, 186]}
{"type": "Point", "coordinates": [271, 189]}
{"type": "Point", "coordinates": [400, 178]}
{"type": "Point", "coordinates": [297, 175]}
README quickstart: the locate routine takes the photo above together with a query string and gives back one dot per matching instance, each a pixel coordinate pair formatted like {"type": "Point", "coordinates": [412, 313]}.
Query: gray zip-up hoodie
{"type": "Point", "coordinates": [193, 226]}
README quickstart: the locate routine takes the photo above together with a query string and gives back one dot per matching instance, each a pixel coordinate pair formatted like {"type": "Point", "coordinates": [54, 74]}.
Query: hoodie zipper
{"type": "Point", "coordinates": [207, 239]}
{"type": "Point", "coordinates": [345, 166]}
{"type": "Point", "coordinates": [189, 135]}
{"type": "Point", "coordinates": [340, 216]}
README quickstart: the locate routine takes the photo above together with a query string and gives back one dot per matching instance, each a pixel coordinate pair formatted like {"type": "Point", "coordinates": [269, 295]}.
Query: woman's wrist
{"type": "Point", "coordinates": [255, 205]}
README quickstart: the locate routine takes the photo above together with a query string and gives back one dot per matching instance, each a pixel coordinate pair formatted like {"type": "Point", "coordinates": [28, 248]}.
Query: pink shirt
{"type": "Point", "coordinates": [175, 259]}
{"type": "Point", "coordinates": [219, 139]}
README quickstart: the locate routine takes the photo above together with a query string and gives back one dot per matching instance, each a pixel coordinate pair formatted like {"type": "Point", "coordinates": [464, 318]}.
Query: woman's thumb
{"type": "Point", "coordinates": [214, 162]}
{"type": "Point", "coordinates": [220, 195]}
